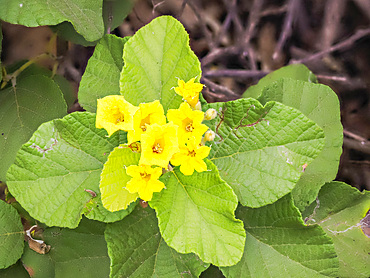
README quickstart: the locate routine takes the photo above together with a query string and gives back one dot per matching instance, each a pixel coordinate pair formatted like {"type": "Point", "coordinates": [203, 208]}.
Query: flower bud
{"type": "Point", "coordinates": [198, 106]}
{"type": "Point", "coordinates": [210, 114]}
{"type": "Point", "coordinates": [209, 136]}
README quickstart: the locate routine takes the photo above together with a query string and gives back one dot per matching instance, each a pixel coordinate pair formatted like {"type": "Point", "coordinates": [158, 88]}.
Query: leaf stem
{"type": "Point", "coordinates": [15, 74]}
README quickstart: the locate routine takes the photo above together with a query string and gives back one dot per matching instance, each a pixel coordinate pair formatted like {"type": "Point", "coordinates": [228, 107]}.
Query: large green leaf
{"type": "Point", "coordinates": [34, 99]}
{"type": "Point", "coordinates": [1, 43]}
{"type": "Point", "coordinates": [114, 12]}
{"type": "Point", "coordinates": [155, 57]}
{"type": "Point", "coordinates": [295, 71]}
{"type": "Point", "coordinates": [339, 210]}
{"type": "Point", "coordinates": [81, 252]}
{"type": "Point", "coordinates": [15, 271]}
{"type": "Point", "coordinates": [102, 74]}
{"type": "Point", "coordinates": [114, 178]}
{"type": "Point", "coordinates": [86, 16]}
{"type": "Point", "coordinates": [280, 245]}
{"type": "Point", "coordinates": [53, 170]}
{"type": "Point", "coordinates": [196, 214]}
{"type": "Point", "coordinates": [261, 151]}
{"type": "Point", "coordinates": [11, 235]}
{"type": "Point", "coordinates": [34, 69]}
{"type": "Point", "coordinates": [320, 104]}
{"type": "Point", "coordinates": [212, 272]}
{"type": "Point", "coordinates": [136, 249]}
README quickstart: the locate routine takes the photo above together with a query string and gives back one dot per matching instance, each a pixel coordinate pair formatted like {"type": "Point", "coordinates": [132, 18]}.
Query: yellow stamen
{"type": "Point", "coordinates": [145, 176]}
{"type": "Point", "coordinates": [157, 148]}
{"type": "Point", "coordinates": [192, 153]}
{"type": "Point", "coordinates": [144, 123]}
{"type": "Point", "coordinates": [120, 118]}
{"type": "Point", "coordinates": [189, 127]}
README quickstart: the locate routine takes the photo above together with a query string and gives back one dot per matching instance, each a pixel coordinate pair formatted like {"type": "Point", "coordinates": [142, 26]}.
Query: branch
{"type": "Point", "coordinates": [234, 73]}
{"type": "Point", "coordinates": [363, 147]}
{"type": "Point", "coordinates": [215, 87]}
{"type": "Point", "coordinates": [274, 11]}
{"type": "Point", "coordinates": [203, 25]}
{"type": "Point", "coordinates": [219, 52]}
{"type": "Point", "coordinates": [339, 46]}
{"type": "Point", "coordinates": [232, 16]}
{"type": "Point", "coordinates": [334, 10]}
{"type": "Point", "coordinates": [254, 18]}
{"type": "Point", "coordinates": [287, 29]}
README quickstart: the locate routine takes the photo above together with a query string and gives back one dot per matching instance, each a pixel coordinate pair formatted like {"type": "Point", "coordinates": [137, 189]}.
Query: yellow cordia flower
{"type": "Point", "coordinates": [189, 122]}
{"type": "Point", "coordinates": [158, 144]}
{"type": "Point", "coordinates": [147, 114]}
{"type": "Point", "coordinates": [191, 157]}
{"type": "Point", "coordinates": [144, 181]}
{"type": "Point", "coordinates": [189, 91]}
{"type": "Point", "coordinates": [115, 113]}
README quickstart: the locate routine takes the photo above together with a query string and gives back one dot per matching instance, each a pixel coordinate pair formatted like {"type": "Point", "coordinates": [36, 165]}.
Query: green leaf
{"type": "Point", "coordinates": [261, 151]}
{"type": "Point", "coordinates": [136, 249]}
{"type": "Point", "coordinates": [295, 71]}
{"type": "Point", "coordinates": [212, 272]}
{"type": "Point", "coordinates": [53, 170]}
{"type": "Point", "coordinates": [81, 252]}
{"type": "Point", "coordinates": [11, 235]}
{"type": "Point", "coordinates": [86, 16]}
{"type": "Point", "coordinates": [196, 214]}
{"type": "Point", "coordinates": [114, 12]}
{"type": "Point", "coordinates": [15, 271]}
{"type": "Point", "coordinates": [280, 245]}
{"type": "Point", "coordinates": [113, 180]}
{"type": "Point", "coordinates": [320, 104]}
{"type": "Point", "coordinates": [67, 90]}
{"type": "Point", "coordinates": [155, 57]}
{"type": "Point", "coordinates": [34, 69]}
{"type": "Point", "coordinates": [1, 43]}
{"type": "Point", "coordinates": [35, 99]}
{"type": "Point", "coordinates": [101, 77]}
{"type": "Point", "coordinates": [66, 31]}
{"type": "Point", "coordinates": [339, 211]}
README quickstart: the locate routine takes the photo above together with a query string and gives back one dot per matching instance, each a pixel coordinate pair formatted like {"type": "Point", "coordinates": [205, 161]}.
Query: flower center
{"type": "Point", "coordinates": [191, 153]}
{"type": "Point", "coordinates": [145, 176]}
{"type": "Point", "coordinates": [120, 118]}
{"type": "Point", "coordinates": [144, 123]}
{"type": "Point", "coordinates": [157, 148]}
{"type": "Point", "coordinates": [189, 127]}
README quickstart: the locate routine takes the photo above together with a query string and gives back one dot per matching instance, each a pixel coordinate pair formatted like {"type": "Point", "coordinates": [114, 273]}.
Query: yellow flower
{"type": "Point", "coordinates": [144, 181]}
{"type": "Point", "coordinates": [189, 122]}
{"type": "Point", "coordinates": [191, 157]}
{"type": "Point", "coordinates": [189, 90]}
{"type": "Point", "coordinates": [147, 114]}
{"type": "Point", "coordinates": [114, 113]}
{"type": "Point", "coordinates": [159, 144]}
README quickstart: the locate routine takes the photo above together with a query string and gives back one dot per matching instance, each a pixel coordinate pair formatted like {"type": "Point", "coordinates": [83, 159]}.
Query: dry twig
{"type": "Point", "coordinates": [339, 46]}
{"type": "Point", "coordinates": [236, 73]}
{"type": "Point", "coordinates": [219, 88]}
{"type": "Point", "coordinates": [287, 29]}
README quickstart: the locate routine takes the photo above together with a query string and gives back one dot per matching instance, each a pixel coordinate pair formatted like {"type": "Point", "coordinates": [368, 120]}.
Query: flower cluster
{"type": "Point", "coordinates": [178, 140]}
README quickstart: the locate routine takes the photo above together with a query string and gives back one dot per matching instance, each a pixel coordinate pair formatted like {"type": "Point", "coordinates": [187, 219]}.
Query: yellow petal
{"type": "Point", "coordinates": [159, 144]}
{"type": "Point", "coordinates": [200, 165]}
{"type": "Point", "coordinates": [147, 114]}
{"type": "Point", "coordinates": [114, 113]}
